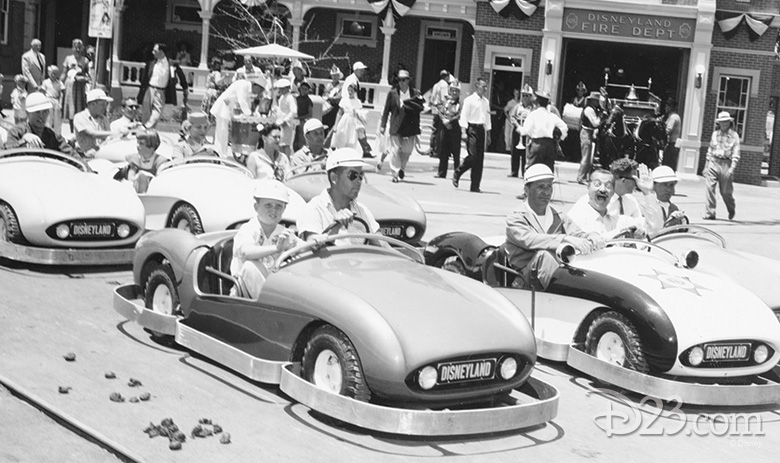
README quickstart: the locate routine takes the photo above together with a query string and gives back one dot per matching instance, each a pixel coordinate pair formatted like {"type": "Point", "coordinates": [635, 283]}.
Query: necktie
{"type": "Point", "coordinates": [620, 200]}
{"type": "Point", "coordinates": [40, 61]}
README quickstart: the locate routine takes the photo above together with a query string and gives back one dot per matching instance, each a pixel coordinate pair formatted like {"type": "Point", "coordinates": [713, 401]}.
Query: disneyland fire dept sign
{"type": "Point", "coordinates": [640, 26]}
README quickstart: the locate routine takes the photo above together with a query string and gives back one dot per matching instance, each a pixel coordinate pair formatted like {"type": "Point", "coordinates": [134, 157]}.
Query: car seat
{"type": "Point", "coordinates": [496, 271]}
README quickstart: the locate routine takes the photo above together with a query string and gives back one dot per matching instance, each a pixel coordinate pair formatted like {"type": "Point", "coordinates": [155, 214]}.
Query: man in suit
{"type": "Point", "coordinates": [664, 181]}
{"type": "Point", "coordinates": [535, 230]}
{"type": "Point", "coordinates": [34, 66]}
{"type": "Point", "coordinates": [158, 85]}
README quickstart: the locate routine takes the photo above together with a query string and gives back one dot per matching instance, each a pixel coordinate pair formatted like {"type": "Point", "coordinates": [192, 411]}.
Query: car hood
{"type": "Point", "coordinates": [434, 314]}
{"type": "Point", "coordinates": [701, 307]}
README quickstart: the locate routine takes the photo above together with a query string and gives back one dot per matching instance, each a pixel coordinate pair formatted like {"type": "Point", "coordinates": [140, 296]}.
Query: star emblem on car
{"type": "Point", "coordinates": [675, 281]}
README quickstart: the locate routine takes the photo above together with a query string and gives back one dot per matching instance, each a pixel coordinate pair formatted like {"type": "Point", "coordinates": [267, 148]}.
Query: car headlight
{"type": "Point", "coordinates": [696, 356]}
{"type": "Point", "coordinates": [508, 368]}
{"type": "Point", "coordinates": [427, 377]}
{"type": "Point", "coordinates": [410, 231]}
{"type": "Point", "coordinates": [63, 231]}
{"type": "Point", "coordinates": [690, 259]}
{"type": "Point", "coordinates": [123, 230]}
{"type": "Point", "coordinates": [761, 354]}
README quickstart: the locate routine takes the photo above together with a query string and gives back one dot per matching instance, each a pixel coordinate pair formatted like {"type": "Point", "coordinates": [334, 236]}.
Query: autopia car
{"type": "Point", "coordinates": [55, 210]}
{"type": "Point", "coordinates": [638, 316]}
{"type": "Point", "coordinates": [429, 353]}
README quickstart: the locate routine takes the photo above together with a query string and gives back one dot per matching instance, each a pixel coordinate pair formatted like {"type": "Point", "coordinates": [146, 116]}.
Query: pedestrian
{"type": "Point", "coordinates": [34, 66]}
{"type": "Point", "coordinates": [298, 78]}
{"type": "Point", "coordinates": [591, 120]}
{"type": "Point", "coordinates": [403, 106]}
{"type": "Point", "coordinates": [475, 118]}
{"type": "Point", "coordinates": [54, 89]}
{"type": "Point", "coordinates": [722, 160]}
{"type": "Point", "coordinates": [248, 69]}
{"type": "Point", "coordinates": [509, 126]}
{"type": "Point", "coordinates": [545, 130]}
{"type": "Point", "coordinates": [75, 76]}
{"type": "Point", "coordinates": [673, 130]}
{"type": "Point", "coordinates": [18, 97]}
{"type": "Point", "coordinates": [358, 71]}
{"type": "Point", "coordinates": [517, 118]}
{"type": "Point", "coordinates": [332, 97]}
{"type": "Point", "coordinates": [286, 114]}
{"type": "Point", "coordinates": [439, 95]}
{"type": "Point", "coordinates": [450, 133]}
{"type": "Point", "coordinates": [216, 83]}
{"type": "Point", "coordinates": [305, 108]}
{"type": "Point", "coordinates": [158, 85]}
{"type": "Point", "coordinates": [351, 123]}
{"type": "Point", "coordinates": [237, 98]}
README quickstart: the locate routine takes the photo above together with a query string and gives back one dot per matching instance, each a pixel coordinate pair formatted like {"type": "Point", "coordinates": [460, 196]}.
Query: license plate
{"type": "Point", "coordinates": [92, 229]}
{"type": "Point", "coordinates": [470, 370]}
{"type": "Point", "coordinates": [392, 232]}
{"type": "Point", "coordinates": [726, 352]}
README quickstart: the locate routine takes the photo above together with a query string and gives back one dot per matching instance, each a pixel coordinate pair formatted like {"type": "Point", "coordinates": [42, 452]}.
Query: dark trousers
{"type": "Point", "coordinates": [671, 154]}
{"type": "Point", "coordinates": [475, 146]}
{"type": "Point", "coordinates": [448, 144]}
{"type": "Point", "coordinates": [543, 151]}
{"type": "Point", "coordinates": [517, 164]}
{"type": "Point", "coordinates": [437, 128]}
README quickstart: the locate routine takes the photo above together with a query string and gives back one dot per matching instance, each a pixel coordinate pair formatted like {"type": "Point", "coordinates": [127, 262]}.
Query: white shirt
{"type": "Point", "coordinates": [476, 110]}
{"type": "Point", "coordinates": [239, 92]}
{"type": "Point", "coordinates": [320, 212]}
{"type": "Point", "coordinates": [590, 221]}
{"type": "Point", "coordinates": [121, 123]}
{"type": "Point", "coordinates": [540, 124]}
{"type": "Point", "coordinates": [351, 79]}
{"type": "Point", "coordinates": [160, 74]}
{"type": "Point", "coordinates": [251, 234]}
{"type": "Point", "coordinates": [648, 211]}
{"type": "Point", "coordinates": [438, 95]}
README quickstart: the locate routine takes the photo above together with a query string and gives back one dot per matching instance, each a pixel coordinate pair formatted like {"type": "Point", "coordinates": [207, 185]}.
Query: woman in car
{"type": "Point", "coordinates": [269, 161]}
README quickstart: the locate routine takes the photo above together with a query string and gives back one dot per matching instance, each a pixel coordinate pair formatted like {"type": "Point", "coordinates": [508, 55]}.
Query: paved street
{"type": "Point", "coordinates": [48, 312]}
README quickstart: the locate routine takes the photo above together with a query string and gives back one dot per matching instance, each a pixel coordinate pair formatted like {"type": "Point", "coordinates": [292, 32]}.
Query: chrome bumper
{"type": "Point", "coordinates": [63, 256]}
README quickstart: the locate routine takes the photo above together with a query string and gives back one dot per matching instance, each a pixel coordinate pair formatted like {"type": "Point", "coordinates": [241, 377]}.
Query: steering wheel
{"type": "Point", "coordinates": [646, 245]}
{"type": "Point", "coordinates": [698, 230]}
{"type": "Point", "coordinates": [410, 252]}
{"type": "Point", "coordinates": [317, 167]}
{"type": "Point", "coordinates": [357, 225]}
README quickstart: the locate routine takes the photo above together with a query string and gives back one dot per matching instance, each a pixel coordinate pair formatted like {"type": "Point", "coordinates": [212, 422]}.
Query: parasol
{"type": "Point", "coordinates": [272, 50]}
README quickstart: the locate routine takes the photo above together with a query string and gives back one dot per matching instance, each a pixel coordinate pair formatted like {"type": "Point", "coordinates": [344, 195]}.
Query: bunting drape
{"type": "Point", "coordinates": [516, 7]}
{"type": "Point", "coordinates": [757, 24]}
{"type": "Point", "coordinates": [400, 7]}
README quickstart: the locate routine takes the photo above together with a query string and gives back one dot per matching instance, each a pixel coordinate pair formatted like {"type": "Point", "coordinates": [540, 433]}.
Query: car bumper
{"type": "Point", "coordinates": [125, 298]}
{"type": "Point", "coordinates": [65, 256]}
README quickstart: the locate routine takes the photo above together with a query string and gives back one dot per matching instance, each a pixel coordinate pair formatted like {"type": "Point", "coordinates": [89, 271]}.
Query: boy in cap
{"type": "Point", "coordinates": [535, 230]}
{"type": "Point", "coordinates": [314, 150]}
{"type": "Point", "coordinates": [35, 133]}
{"type": "Point", "coordinates": [262, 239]}
{"type": "Point", "coordinates": [722, 160]}
{"type": "Point", "coordinates": [664, 181]}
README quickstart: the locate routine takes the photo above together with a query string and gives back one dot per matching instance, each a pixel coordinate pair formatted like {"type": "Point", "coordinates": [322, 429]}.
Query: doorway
{"type": "Point", "coordinates": [503, 82]}
{"type": "Point", "coordinates": [440, 50]}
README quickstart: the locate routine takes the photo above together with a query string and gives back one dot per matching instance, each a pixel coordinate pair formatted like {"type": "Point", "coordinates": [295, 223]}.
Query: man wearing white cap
{"type": "Point", "coordinates": [517, 117]}
{"type": "Point", "coordinates": [314, 150]}
{"type": "Point", "coordinates": [664, 181]}
{"type": "Point", "coordinates": [358, 69]}
{"type": "Point", "coordinates": [91, 125]}
{"type": "Point", "coordinates": [545, 129]}
{"type": "Point", "coordinates": [238, 96]}
{"type": "Point", "coordinates": [535, 230]}
{"type": "Point", "coordinates": [722, 160]}
{"type": "Point", "coordinates": [261, 240]}
{"type": "Point", "coordinates": [194, 142]}
{"type": "Point", "coordinates": [338, 203]}
{"type": "Point", "coordinates": [35, 133]}
{"type": "Point", "coordinates": [286, 114]}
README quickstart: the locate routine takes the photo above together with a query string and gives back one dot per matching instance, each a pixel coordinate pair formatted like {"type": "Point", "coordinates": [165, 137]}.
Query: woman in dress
{"type": "Point", "coordinates": [269, 161]}
{"type": "Point", "coordinates": [75, 73]}
{"type": "Point", "coordinates": [351, 123]}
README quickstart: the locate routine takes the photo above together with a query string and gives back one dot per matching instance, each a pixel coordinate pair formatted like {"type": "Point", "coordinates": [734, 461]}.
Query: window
{"type": "Point", "coordinates": [356, 30]}
{"type": "Point", "coordinates": [733, 96]}
{"type": "Point", "coordinates": [183, 14]}
{"type": "Point", "coordinates": [4, 21]}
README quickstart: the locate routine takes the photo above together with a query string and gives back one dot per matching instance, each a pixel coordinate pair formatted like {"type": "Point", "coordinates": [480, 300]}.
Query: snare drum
{"type": "Point", "coordinates": [244, 136]}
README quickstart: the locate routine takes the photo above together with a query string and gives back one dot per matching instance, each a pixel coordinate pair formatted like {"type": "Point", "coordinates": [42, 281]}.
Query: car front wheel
{"type": "Point", "coordinates": [330, 362]}
{"type": "Point", "coordinates": [161, 295]}
{"type": "Point", "coordinates": [185, 217]}
{"type": "Point", "coordinates": [613, 338]}
{"type": "Point", "coordinates": [9, 224]}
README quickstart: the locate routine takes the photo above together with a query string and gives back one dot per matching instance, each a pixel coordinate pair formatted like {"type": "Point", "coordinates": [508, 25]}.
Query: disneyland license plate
{"type": "Point", "coordinates": [393, 232]}
{"type": "Point", "coordinates": [91, 229]}
{"type": "Point", "coordinates": [726, 352]}
{"type": "Point", "coordinates": [470, 370]}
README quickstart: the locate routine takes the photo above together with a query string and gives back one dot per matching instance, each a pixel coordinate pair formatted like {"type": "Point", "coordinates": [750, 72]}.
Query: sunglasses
{"type": "Point", "coordinates": [353, 175]}
{"type": "Point", "coordinates": [133, 106]}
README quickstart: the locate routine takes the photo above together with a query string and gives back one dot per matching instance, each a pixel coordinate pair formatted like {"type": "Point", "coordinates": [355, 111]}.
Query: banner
{"type": "Point", "coordinates": [521, 9]}
{"type": "Point", "coordinates": [400, 7]}
{"type": "Point", "coordinates": [101, 18]}
{"type": "Point", "coordinates": [757, 24]}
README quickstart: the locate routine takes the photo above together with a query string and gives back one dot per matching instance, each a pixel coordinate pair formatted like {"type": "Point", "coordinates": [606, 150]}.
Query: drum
{"type": "Point", "coordinates": [244, 135]}
{"type": "Point", "coordinates": [571, 116]}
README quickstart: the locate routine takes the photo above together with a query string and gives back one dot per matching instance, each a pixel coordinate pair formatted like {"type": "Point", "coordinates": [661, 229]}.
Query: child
{"type": "Point", "coordinates": [259, 242]}
{"type": "Point", "coordinates": [142, 166]}
{"type": "Point", "coordinates": [54, 88]}
{"type": "Point", "coordinates": [18, 99]}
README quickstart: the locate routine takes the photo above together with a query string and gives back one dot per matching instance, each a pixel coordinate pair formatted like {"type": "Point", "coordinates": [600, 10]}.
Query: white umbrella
{"type": "Point", "coordinates": [272, 50]}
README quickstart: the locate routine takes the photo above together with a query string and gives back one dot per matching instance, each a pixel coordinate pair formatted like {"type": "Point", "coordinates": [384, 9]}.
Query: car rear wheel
{"type": "Point", "coordinates": [161, 295]}
{"type": "Point", "coordinates": [9, 224]}
{"type": "Point", "coordinates": [330, 362]}
{"type": "Point", "coordinates": [613, 338]}
{"type": "Point", "coordinates": [454, 265]}
{"type": "Point", "coordinates": [185, 217]}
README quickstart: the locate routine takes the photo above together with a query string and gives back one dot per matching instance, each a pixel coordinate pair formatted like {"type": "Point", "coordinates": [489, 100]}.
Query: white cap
{"type": "Point", "coordinates": [403, 74]}
{"type": "Point", "coordinates": [271, 189]}
{"type": "Point", "coordinates": [37, 101]}
{"type": "Point", "coordinates": [257, 79]}
{"type": "Point", "coordinates": [664, 174]}
{"type": "Point", "coordinates": [346, 157]}
{"type": "Point", "coordinates": [312, 124]}
{"type": "Point", "coordinates": [538, 172]}
{"type": "Point", "coordinates": [97, 94]}
{"type": "Point", "coordinates": [359, 65]}
{"type": "Point", "coordinates": [282, 83]}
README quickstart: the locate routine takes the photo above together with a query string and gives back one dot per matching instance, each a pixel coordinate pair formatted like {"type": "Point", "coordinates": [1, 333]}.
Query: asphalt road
{"type": "Point", "coordinates": [46, 313]}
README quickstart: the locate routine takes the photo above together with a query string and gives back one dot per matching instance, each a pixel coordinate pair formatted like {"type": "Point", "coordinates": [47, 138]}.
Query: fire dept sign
{"type": "Point", "coordinates": [628, 25]}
